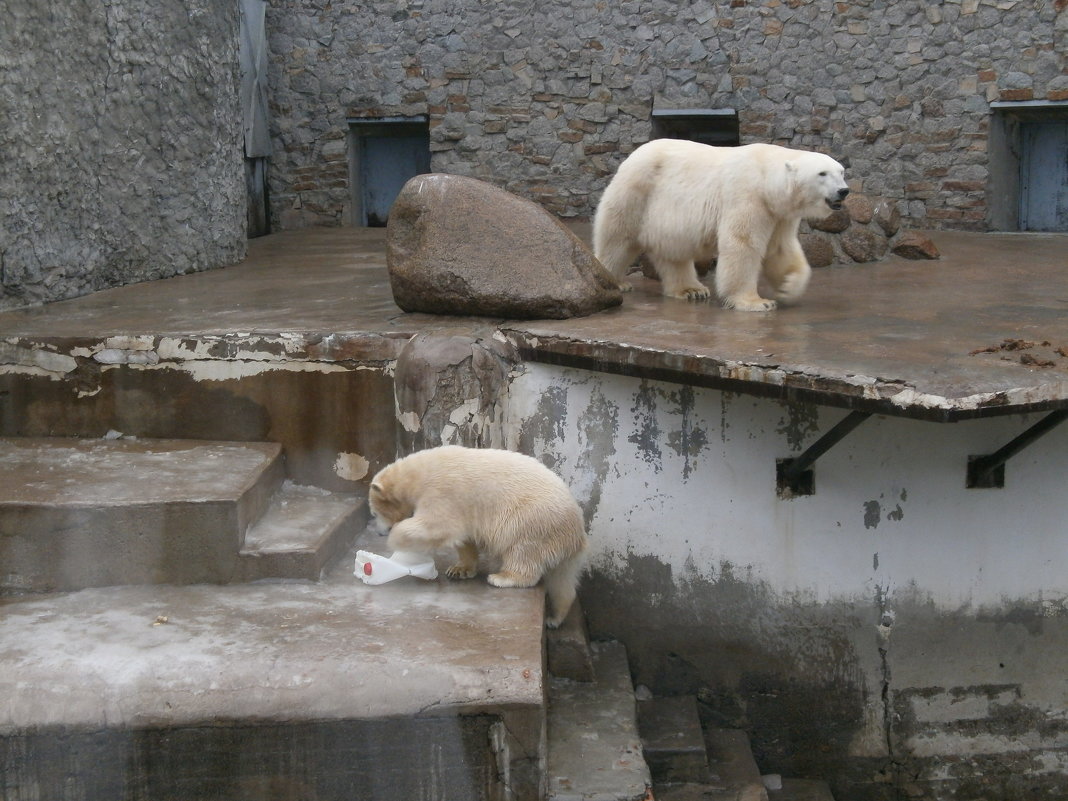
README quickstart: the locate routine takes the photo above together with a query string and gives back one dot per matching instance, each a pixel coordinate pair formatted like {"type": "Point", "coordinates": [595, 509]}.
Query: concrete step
{"type": "Point", "coordinates": [732, 765]}
{"type": "Point", "coordinates": [568, 647]}
{"type": "Point", "coordinates": [672, 740]}
{"type": "Point", "coordinates": [595, 753]}
{"type": "Point", "coordinates": [408, 691]}
{"type": "Point", "coordinates": [77, 513]}
{"type": "Point", "coordinates": [799, 790]}
{"type": "Point", "coordinates": [303, 530]}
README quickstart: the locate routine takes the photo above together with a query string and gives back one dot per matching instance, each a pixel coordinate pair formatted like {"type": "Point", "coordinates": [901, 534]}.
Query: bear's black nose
{"type": "Point", "coordinates": [842, 193]}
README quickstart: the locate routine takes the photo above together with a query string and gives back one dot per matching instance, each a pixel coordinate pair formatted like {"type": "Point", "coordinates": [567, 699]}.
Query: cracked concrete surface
{"type": "Point", "coordinates": [268, 651]}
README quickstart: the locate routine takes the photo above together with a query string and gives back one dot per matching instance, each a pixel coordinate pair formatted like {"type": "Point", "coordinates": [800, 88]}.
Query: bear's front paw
{"type": "Point", "coordinates": [461, 571]}
{"type": "Point", "coordinates": [756, 303]}
{"type": "Point", "coordinates": [625, 286]}
{"type": "Point", "coordinates": [694, 293]}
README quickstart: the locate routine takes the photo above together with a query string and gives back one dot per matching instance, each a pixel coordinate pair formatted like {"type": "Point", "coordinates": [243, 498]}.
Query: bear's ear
{"type": "Point", "coordinates": [377, 488]}
{"type": "Point", "coordinates": [790, 168]}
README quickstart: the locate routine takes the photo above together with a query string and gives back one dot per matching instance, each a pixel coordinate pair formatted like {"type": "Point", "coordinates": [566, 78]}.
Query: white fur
{"type": "Point", "coordinates": [507, 504]}
{"type": "Point", "coordinates": [679, 202]}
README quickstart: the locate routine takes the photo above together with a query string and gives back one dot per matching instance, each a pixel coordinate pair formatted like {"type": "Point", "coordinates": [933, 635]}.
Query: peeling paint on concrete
{"type": "Point", "coordinates": [541, 433]}
{"type": "Point", "coordinates": [598, 426]}
{"type": "Point", "coordinates": [801, 422]}
{"type": "Point", "coordinates": [872, 514]}
{"type": "Point", "coordinates": [14, 357]}
{"type": "Point", "coordinates": [229, 369]}
{"type": "Point", "coordinates": [351, 466]}
{"type": "Point", "coordinates": [690, 438]}
{"type": "Point", "coordinates": [873, 511]}
{"type": "Point", "coordinates": [646, 434]}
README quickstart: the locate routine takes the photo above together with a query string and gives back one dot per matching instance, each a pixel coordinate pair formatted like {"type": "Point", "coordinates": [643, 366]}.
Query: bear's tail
{"type": "Point", "coordinates": [561, 583]}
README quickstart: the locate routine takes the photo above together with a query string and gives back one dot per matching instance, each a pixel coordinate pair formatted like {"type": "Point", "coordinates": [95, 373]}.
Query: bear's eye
{"type": "Point", "coordinates": [823, 174]}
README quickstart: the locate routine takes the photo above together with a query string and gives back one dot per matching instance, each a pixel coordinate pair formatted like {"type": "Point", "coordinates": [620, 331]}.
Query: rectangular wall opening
{"type": "Point", "coordinates": [384, 153]}
{"type": "Point", "coordinates": [1028, 187]}
{"type": "Point", "coordinates": [710, 126]}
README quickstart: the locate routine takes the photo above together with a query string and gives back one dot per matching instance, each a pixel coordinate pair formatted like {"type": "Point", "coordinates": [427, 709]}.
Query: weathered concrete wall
{"type": "Point", "coordinates": [893, 633]}
{"type": "Point", "coordinates": [328, 401]}
{"type": "Point", "coordinates": [545, 99]}
{"type": "Point", "coordinates": [121, 145]}
{"type": "Point", "coordinates": [404, 759]}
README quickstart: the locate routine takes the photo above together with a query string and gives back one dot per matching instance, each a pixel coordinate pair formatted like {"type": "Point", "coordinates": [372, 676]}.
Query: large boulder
{"type": "Point", "coordinates": [458, 245]}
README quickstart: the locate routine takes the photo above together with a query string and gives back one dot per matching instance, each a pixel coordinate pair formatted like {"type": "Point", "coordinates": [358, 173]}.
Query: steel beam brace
{"type": "Point", "coordinates": [989, 471]}
{"type": "Point", "coordinates": [794, 476]}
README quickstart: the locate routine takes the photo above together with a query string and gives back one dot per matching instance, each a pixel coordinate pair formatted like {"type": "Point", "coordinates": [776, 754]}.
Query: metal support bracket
{"type": "Point", "coordinates": [795, 476]}
{"type": "Point", "coordinates": [988, 471]}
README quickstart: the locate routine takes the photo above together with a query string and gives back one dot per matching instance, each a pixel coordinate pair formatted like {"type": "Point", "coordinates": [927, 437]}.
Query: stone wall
{"type": "Point", "coordinates": [545, 99]}
{"type": "Point", "coordinates": [121, 145]}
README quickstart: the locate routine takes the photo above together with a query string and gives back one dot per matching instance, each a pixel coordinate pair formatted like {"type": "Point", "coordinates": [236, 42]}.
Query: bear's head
{"type": "Point", "coordinates": [388, 507]}
{"type": "Point", "coordinates": [817, 183]}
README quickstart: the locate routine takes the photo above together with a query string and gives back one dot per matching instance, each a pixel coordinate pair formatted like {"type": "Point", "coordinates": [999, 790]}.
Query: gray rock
{"type": "Point", "coordinates": [457, 245]}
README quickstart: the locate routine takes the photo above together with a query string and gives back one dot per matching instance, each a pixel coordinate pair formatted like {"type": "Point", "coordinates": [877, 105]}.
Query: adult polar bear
{"type": "Point", "coordinates": [679, 201]}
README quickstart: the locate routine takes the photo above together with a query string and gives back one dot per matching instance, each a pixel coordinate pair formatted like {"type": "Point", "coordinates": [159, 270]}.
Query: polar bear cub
{"type": "Point", "coordinates": [506, 504]}
{"type": "Point", "coordinates": [679, 201]}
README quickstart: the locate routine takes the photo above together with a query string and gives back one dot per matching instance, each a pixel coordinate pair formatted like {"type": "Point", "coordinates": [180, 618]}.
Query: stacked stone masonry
{"type": "Point", "coordinates": [120, 143]}
{"type": "Point", "coordinates": [546, 99]}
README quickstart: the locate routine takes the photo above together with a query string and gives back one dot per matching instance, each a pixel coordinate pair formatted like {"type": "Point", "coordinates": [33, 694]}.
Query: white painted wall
{"type": "Point", "coordinates": [717, 503]}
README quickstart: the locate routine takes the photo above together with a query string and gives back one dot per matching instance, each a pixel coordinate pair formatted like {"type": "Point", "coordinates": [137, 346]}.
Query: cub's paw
{"type": "Point", "coordinates": [508, 579]}
{"type": "Point", "coordinates": [625, 286]}
{"type": "Point", "coordinates": [755, 304]}
{"type": "Point", "coordinates": [460, 571]}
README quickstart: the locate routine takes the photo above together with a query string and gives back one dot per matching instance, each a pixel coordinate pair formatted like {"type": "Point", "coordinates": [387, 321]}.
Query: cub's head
{"type": "Point", "coordinates": [386, 505]}
{"type": "Point", "coordinates": [818, 182]}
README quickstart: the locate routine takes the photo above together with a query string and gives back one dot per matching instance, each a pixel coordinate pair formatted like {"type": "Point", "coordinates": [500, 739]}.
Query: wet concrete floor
{"type": "Point", "coordinates": [923, 339]}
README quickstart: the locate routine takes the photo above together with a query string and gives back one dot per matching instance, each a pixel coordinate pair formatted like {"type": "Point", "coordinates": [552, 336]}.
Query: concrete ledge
{"type": "Point", "coordinates": [167, 656]}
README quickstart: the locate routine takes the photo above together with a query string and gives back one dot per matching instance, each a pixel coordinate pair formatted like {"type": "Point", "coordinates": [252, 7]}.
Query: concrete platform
{"type": "Point", "coordinates": [915, 339]}
{"type": "Point", "coordinates": [274, 657]}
